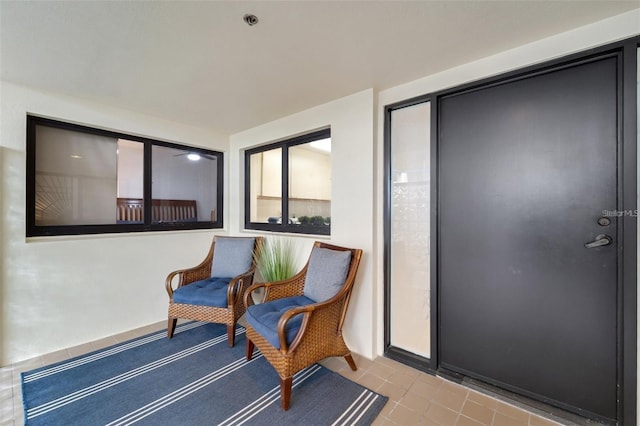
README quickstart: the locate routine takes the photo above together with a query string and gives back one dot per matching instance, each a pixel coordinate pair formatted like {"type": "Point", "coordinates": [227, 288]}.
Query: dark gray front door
{"type": "Point", "coordinates": [526, 169]}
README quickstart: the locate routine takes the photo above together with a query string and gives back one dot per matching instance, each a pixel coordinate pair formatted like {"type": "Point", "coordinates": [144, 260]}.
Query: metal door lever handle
{"type": "Point", "coordinates": [601, 240]}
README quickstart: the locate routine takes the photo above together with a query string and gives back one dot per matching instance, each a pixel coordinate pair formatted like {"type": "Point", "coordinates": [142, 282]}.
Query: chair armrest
{"type": "Point", "coordinates": [247, 299]}
{"type": "Point", "coordinates": [320, 318]}
{"type": "Point", "coordinates": [238, 284]}
{"type": "Point", "coordinates": [190, 275]}
{"type": "Point", "coordinates": [187, 276]}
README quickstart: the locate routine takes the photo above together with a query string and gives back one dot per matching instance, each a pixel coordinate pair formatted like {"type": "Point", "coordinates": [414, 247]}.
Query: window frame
{"type": "Point", "coordinates": [284, 145]}
{"type": "Point", "coordinates": [33, 230]}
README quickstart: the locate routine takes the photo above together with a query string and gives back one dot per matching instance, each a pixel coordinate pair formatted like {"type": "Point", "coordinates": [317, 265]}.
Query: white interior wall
{"type": "Point", "coordinates": [59, 292]}
{"type": "Point", "coordinates": [352, 215]}
{"type": "Point", "coordinates": [606, 31]}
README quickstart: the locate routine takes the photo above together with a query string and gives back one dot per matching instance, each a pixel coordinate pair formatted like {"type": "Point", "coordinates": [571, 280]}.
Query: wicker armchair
{"type": "Point", "coordinates": [299, 321]}
{"type": "Point", "coordinates": [213, 290]}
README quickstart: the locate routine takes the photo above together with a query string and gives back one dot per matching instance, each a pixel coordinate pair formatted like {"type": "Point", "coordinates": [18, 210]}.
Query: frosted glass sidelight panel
{"type": "Point", "coordinates": [409, 225]}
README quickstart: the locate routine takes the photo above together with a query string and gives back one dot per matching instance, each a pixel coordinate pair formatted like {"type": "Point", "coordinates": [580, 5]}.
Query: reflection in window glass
{"type": "Point", "coordinates": [184, 185]}
{"type": "Point", "coordinates": [75, 178]}
{"type": "Point", "coordinates": [266, 186]}
{"type": "Point", "coordinates": [310, 183]}
{"type": "Point", "coordinates": [130, 169]}
{"type": "Point", "coordinates": [82, 180]}
{"type": "Point", "coordinates": [288, 185]}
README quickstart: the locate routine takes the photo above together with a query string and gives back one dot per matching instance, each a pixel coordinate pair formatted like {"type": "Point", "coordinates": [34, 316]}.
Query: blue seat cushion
{"type": "Point", "coordinates": [209, 292]}
{"type": "Point", "coordinates": [264, 318]}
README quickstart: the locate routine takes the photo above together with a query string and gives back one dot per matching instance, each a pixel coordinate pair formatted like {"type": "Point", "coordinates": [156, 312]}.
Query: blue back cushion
{"type": "Point", "coordinates": [326, 274]}
{"type": "Point", "coordinates": [232, 256]}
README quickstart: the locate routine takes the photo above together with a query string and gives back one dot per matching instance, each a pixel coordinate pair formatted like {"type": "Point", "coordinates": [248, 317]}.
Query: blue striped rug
{"type": "Point", "coordinates": [192, 379]}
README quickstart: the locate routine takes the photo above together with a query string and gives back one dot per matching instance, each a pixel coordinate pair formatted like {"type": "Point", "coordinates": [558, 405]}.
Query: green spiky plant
{"type": "Point", "coordinates": [276, 259]}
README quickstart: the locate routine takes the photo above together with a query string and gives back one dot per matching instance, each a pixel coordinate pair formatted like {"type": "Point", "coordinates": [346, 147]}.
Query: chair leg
{"type": "Point", "coordinates": [171, 327]}
{"type": "Point", "coordinates": [249, 352]}
{"type": "Point", "coordinates": [351, 362]}
{"type": "Point", "coordinates": [231, 334]}
{"type": "Point", "coordinates": [285, 392]}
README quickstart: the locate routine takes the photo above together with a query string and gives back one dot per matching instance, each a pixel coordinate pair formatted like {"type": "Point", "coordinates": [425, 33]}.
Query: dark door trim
{"type": "Point", "coordinates": [627, 182]}
{"type": "Point", "coordinates": [628, 317]}
{"type": "Point", "coordinates": [627, 176]}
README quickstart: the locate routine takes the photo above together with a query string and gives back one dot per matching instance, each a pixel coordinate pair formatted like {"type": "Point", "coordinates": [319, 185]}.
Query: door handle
{"type": "Point", "coordinates": [601, 240]}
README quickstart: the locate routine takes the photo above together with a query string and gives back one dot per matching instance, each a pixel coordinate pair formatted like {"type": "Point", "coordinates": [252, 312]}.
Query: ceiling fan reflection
{"type": "Point", "coordinates": [194, 156]}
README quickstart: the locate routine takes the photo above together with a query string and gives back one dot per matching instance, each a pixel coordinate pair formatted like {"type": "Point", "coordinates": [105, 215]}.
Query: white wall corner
{"type": "Point", "coordinates": [351, 119]}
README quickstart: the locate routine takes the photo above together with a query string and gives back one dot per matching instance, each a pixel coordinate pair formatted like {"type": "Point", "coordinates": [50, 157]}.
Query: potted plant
{"type": "Point", "coordinates": [304, 220]}
{"type": "Point", "coordinates": [276, 259]}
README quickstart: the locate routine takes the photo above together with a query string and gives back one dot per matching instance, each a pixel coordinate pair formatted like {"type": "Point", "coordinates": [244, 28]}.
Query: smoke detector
{"type": "Point", "coordinates": [250, 19]}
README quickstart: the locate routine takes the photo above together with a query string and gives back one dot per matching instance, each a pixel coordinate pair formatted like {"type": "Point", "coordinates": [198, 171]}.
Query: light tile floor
{"type": "Point", "coordinates": [415, 398]}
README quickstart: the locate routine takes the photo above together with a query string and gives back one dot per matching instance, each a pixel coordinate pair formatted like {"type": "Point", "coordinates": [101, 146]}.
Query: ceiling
{"type": "Point", "coordinates": [199, 63]}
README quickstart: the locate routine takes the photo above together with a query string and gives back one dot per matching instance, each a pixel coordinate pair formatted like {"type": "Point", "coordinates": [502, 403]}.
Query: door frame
{"type": "Point", "coordinates": [627, 51]}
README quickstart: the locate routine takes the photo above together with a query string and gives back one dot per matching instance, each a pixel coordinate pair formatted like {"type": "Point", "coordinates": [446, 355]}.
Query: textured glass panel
{"type": "Point", "coordinates": [410, 233]}
{"type": "Point", "coordinates": [184, 186]}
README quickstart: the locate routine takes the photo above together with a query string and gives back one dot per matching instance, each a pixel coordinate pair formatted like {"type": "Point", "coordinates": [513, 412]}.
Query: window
{"type": "Point", "coordinates": [82, 180]}
{"type": "Point", "coordinates": [408, 230]}
{"type": "Point", "coordinates": [290, 179]}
